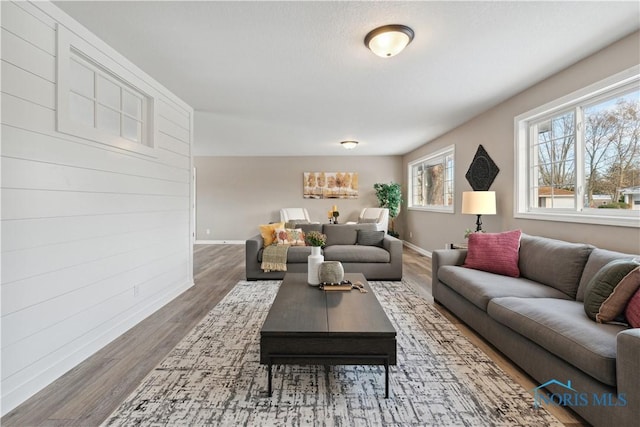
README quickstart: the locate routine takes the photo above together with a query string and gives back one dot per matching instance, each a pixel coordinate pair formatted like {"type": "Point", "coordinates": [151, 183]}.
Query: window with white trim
{"type": "Point", "coordinates": [104, 102]}
{"type": "Point", "coordinates": [578, 158]}
{"type": "Point", "coordinates": [431, 181]}
{"type": "Point", "coordinates": [97, 103]}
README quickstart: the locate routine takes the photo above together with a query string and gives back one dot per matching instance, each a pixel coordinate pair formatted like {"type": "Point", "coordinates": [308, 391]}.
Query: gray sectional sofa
{"type": "Point", "coordinates": [538, 321]}
{"type": "Point", "coordinates": [375, 262]}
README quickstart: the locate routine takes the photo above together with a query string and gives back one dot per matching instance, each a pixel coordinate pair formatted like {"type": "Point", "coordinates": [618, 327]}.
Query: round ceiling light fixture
{"type": "Point", "coordinates": [389, 40]}
{"type": "Point", "coordinates": [349, 145]}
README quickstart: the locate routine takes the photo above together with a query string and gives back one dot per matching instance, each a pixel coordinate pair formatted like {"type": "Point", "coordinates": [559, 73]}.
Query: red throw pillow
{"type": "Point", "coordinates": [494, 252]}
{"type": "Point", "coordinates": [632, 312]}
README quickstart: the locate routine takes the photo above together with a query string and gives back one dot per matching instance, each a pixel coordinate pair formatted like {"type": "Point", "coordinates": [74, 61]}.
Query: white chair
{"type": "Point", "coordinates": [294, 214]}
{"type": "Point", "coordinates": [378, 216]}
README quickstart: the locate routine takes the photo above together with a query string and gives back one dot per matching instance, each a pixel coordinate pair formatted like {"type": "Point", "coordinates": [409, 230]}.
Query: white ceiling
{"type": "Point", "coordinates": [294, 78]}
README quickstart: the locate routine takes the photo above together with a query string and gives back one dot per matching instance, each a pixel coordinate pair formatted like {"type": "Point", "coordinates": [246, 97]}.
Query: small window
{"type": "Point", "coordinates": [96, 103]}
{"type": "Point", "coordinates": [578, 158]}
{"type": "Point", "coordinates": [431, 182]}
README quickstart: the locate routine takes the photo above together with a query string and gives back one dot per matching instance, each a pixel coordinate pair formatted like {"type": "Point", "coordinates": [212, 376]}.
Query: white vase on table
{"type": "Point", "coordinates": [313, 262]}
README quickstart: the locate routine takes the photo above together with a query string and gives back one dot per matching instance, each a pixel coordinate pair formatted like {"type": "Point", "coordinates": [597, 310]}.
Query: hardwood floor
{"type": "Point", "coordinates": [86, 395]}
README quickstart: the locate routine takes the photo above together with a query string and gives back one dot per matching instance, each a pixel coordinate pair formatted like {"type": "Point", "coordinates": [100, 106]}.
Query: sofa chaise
{"type": "Point", "coordinates": [538, 320]}
{"type": "Point", "coordinates": [381, 261]}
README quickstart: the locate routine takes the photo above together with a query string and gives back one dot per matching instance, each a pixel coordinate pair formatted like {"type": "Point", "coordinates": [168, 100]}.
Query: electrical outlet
{"type": "Point", "coordinates": [410, 234]}
{"type": "Point", "coordinates": [136, 290]}
{"type": "Point", "coordinates": [208, 231]}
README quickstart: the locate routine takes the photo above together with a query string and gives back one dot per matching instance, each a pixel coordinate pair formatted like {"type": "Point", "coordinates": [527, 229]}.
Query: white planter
{"type": "Point", "coordinates": [313, 262]}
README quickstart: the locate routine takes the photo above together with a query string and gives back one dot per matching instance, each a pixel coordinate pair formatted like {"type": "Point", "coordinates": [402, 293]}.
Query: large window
{"type": "Point", "coordinates": [578, 158]}
{"type": "Point", "coordinates": [99, 101]}
{"type": "Point", "coordinates": [431, 181]}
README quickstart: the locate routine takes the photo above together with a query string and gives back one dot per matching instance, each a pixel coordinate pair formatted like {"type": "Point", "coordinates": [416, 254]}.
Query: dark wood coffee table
{"type": "Point", "coordinates": [307, 326]}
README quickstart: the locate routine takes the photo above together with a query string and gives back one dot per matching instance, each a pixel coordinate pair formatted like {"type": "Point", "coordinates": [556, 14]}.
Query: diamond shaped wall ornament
{"type": "Point", "coordinates": [482, 171]}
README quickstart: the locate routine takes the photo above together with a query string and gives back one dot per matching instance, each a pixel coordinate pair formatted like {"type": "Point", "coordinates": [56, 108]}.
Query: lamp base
{"type": "Point", "coordinates": [479, 224]}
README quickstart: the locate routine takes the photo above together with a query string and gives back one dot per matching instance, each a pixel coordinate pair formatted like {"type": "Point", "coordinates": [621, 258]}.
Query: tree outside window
{"type": "Point", "coordinates": [431, 181]}
{"type": "Point", "coordinates": [612, 149]}
{"type": "Point", "coordinates": [578, 158]}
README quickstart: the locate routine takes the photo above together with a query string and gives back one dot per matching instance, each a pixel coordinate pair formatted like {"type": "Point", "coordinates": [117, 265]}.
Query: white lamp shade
{"type": "Point", "coordinates": [479, 202]}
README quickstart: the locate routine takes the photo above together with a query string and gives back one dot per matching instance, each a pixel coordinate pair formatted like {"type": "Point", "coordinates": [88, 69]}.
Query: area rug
{"type": "Point", "coordinates": [213, 376]}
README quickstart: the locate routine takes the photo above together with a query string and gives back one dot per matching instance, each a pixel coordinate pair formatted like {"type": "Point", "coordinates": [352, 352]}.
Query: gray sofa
{"type": "Point", "coordinates": [538, 321]}
{"type": "Point", "coordinates": [375, 262]}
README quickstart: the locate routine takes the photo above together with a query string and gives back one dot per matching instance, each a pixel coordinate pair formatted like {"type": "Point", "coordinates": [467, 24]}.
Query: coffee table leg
{"type": "Point", "coordinates": [269, 380]}
{"type": "Point", "coordinates": [386, 379]}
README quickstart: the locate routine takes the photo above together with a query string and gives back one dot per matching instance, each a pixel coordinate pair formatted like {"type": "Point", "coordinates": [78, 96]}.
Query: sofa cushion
{"type": "Point", "coordinates": [356, 253]}
{"type": "Point", "coordinates": [603, 283]}
{"type": "Point", "coordinates": [494, 252]}
{"type": "Point", "coordinates": [553, 262]}
{"type": "Point", "coordinates": [562, 328]}
{"type": "Point", "coordinates": [370, 237]}
{"type": "Point", "coordinates": [295, 254]}
{"type": "Point", "coordinates": [479, 287]}
{"type": "Point", "coordinates": [310, 227]}
{"type": "Point", "coordinates": [597, 259]}
{"type": "Point", "coordinates": [344, 234]}
{"type": "Point", "coordinates": [298, 254]}
{"type": "Point", "coordinates": [295, 223]}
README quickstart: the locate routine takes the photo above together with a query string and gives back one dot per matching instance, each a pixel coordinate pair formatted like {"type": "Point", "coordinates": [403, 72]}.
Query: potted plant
{"type": "Point", "coordinates": [390, 197]}
{"type": "Point", "coordinates": [315, 239]}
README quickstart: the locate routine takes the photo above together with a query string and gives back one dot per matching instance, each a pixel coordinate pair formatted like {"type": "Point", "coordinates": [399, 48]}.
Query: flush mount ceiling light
{"type": "Point", "coordinates": [349, 145]}
{"type": "Point", "coordinates": [389, 40]}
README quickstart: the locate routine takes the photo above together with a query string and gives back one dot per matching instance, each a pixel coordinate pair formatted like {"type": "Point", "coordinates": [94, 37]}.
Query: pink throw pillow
{"type": "Point", "coordinates": [632, 312]}
{"type": "Point", "coordinates": [494, 252]}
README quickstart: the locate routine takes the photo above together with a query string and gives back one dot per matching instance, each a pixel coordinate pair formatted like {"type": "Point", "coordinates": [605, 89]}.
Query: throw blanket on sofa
{"type": "Point", "coordinates": [274, 258]}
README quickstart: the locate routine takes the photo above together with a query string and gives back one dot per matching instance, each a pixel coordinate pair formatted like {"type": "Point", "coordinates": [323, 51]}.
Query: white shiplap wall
{"type": "Point", "coordinates": [94, 238]}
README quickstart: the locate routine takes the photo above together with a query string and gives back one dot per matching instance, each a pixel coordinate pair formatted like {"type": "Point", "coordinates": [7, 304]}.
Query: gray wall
{"type": "Point", "coordinates": [494, 129]}
{"type": "Point", "coordinates": [236, 194]}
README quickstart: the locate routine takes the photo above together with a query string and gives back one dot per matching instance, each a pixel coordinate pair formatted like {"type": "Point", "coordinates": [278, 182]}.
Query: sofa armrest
{"type": "Point", "coordinates": [251, 248]}
{"type": "Point", "coordinates": [442, 257]}
{"type": "Point", "coordinates": [392, 244]}
{"type": "Point", "coordinates": [628, 372]}
{"type": "Point", "coordinates": [254, 244]}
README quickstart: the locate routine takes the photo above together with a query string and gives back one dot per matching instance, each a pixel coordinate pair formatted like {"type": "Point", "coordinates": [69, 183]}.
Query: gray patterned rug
{"type": "Point", "coordinates": [213, 376]}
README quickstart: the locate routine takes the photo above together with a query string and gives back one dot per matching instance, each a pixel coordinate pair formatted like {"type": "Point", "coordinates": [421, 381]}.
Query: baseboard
{"type": "Point", "coordinates": [242, 242]}
{"type": "Point", "coordinates": [220, 242]}
{"type": "Point", "coordinates": [417, 249]}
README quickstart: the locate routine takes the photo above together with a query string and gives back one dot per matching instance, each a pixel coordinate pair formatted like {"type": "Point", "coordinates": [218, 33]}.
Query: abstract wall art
{"type": "Point", "coordinates": [482, 171]}
{"type": "Point", "coordinates": [330, 185]}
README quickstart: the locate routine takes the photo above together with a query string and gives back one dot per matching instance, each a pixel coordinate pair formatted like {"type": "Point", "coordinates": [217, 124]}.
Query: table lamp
{"type": "Point", "coordinates": [479, 203]}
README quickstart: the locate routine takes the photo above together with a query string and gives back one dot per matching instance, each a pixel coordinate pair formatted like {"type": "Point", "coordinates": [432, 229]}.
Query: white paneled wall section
{"type": "Point", "coordinates": [94, 238]}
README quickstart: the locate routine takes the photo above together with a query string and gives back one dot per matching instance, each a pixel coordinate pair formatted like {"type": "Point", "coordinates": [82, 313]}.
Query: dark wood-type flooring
{"type": "Point", "coordinates": [87, 394]}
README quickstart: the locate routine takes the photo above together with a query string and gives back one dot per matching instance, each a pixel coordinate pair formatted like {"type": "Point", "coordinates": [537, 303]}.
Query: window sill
{"type": "Point", "coordinates": [432, 209]}
{"type": "Point", "coordinates": [619, 221]}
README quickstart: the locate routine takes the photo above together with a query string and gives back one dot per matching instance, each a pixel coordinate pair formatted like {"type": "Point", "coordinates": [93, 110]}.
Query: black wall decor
{"type": "Point", "coordinates": [482, 171]}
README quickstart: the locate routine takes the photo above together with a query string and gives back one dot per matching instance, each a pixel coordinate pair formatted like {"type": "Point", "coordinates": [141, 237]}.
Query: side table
{"type": "Point", "coordinates": [458, 246]}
